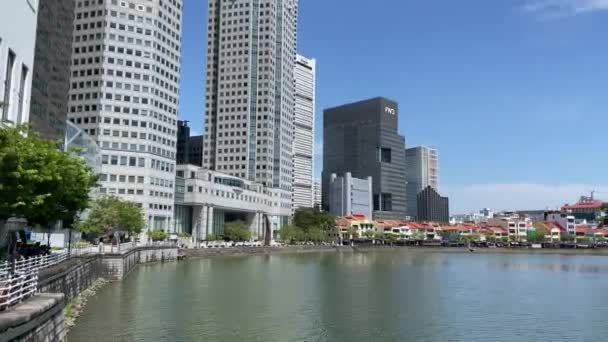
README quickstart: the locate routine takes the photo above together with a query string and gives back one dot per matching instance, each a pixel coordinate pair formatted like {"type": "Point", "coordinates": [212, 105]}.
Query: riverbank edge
{"type": "Point", "coordinates": [261, 251]}
{"type": "Point", "coordinates": [75, 307]}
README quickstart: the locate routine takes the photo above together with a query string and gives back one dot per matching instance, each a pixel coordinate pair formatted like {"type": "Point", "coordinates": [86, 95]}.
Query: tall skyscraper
{"type": "Point", "coordinates": [317, 195]}
{"type": "Point", "coordinates": [249, 110]}
{"type": "Point", "coordinates": [17, 39]}
{"type": "Point", "coordinates": [362, 138]}
{"type": "Point", "coordinates": [304, 133]}
{"type": "Point", "coordinates": [432, 207]}
{"type": "Point", "coordinates": [124, 92]}
{"type": "Point", "coordinates": [51, 77]}
{"type": "Point", "coordinates": [189, 148]}
{"type": "Point", "coordinates": [422, 170]}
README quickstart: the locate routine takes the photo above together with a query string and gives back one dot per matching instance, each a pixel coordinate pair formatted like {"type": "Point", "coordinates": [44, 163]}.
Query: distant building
{"type": "Point", "coordinates": [534, 215]}
{"type": "Point", "coordinates": [587, 209]}
{"type": "Point", "coordinates": [363, 138]}
{"type": "Point", "coordinates": [422, 170]}
{"type": "Point", "coordinates": [205, 200]}
{"type": "Point", "coordinates": [432, 207]}
{"type": "Point", "coordinates": [18, 21]}
{"type": "Point", "coordinates": [317, 195]}
{"type": "Point", "coordinates": [516, 226]}
{"type": "Point", "coordinates": [189, 148]}
{"type": "Point", "coordinates": [564, 221]}
{"type": "Point", "coordinates": [52, 60]}
{"type": "Point", "coordinates": [304, 134]}
{"type": "Point", "coordinates": [350, 196]}
{"type": "Point", "coordinates": [487, 213]}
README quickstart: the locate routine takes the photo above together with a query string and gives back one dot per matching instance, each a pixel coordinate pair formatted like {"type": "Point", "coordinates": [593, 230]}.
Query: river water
{"type": "Point", "coordinates": [374, 296]}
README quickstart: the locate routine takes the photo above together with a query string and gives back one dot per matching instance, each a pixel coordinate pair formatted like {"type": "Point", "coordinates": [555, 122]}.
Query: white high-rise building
{"type": "Point", "coordinates": [249, 109]}
{"type": "Point", "coordinates": [304, 133]}
{"type": "Point", "coordinates": [18, 21]}
{"type": "Point", "coordinates": [317, 193]}
{"type": "Point", "coordinates": [124, 92]}
{"type": "Point", "coordinates": [422, 170]}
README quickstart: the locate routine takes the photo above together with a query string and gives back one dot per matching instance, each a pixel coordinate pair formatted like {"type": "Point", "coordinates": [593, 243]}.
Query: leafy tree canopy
{"type": "Point", "coordinates": [309, 218]}
{"type": "Point", "coordinates": [110, 214]}
{"type": "Point", "coordinates": [38, 181]}
{"type": "Point", "coordinates": [236, 231]}
{"type": "Point", "coordinates": [536, 235]}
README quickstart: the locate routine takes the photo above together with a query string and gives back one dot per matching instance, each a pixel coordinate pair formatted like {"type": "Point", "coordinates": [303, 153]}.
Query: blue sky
{"type": "Point", "coordinates": [513, 93]}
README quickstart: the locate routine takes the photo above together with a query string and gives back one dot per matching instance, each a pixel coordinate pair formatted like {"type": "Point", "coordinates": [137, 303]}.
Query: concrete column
{"type": "Point", "coordinates": [202, 232]}
{"type": "Point", "coordinates": [196, 223]}
{"type": "Point", "coordinates": [259, 224]}
{"type": "Point", "coordinates": [210, 229]}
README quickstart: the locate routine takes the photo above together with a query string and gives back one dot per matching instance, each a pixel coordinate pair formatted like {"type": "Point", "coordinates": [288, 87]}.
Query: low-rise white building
{"type": "Point", "coordinates": [564, 221]}
{"type": "Point", "coordinates": [18, 21]}
{"type": "Point", "coordinates": [205, 200]}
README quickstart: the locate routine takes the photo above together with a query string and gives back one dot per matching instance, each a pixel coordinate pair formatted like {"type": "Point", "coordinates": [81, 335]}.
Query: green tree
{"type": "Point", "coordinates": [535, 236]}
{"type": "Point", "coordinates": [565, 237]}
{"type": "Point", "coordinates": [316, 235]}
{"type": "Point", "coordinates": [287, 234]}
{"type": "Point", "coordinates": [308, 218]}
{"type": "Point", "coordinates": [450, 235]}
{"type": "Point", "coordinates": [353, 233]}
{"type": "Point", "coordinates": [110, 214]}
{"type": "Point", "coordinates": [212, 237]}
{"type": "Point", "coordinates": [157, 235]}
{"type": "Point", "coordinates": [369, 233]}
{"type": "Point", "coordinates": [391, 238]}
{"type": "Point", "coordinates": [38, 181]}
{"type": "Point", "coordinates": [419, 235]}
{"type": "Point", "coordinates": [490, 237]}
{"type": "Point", "coordinates": [236, 231]}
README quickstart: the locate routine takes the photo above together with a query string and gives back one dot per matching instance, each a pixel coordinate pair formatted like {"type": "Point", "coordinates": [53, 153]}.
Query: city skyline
{"type": "Point", "coordinates": [515, 69]}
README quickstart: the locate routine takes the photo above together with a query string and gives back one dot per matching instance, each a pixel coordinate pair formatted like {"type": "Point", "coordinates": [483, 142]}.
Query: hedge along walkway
{"type": "Point", "coordinates": [75, 307]}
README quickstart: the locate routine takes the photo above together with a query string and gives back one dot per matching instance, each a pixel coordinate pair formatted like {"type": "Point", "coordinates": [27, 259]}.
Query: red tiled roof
{"type": "Point", "coordinates": [497, 229]}
{"type": "Point", "coordinates": [584, 205]}
{"type": "Point", "coordinates": [389, 223]}
{"type": "Point", "coordinates": [461, 227]}
{"type": "Point", "coordinates": [555, 225]}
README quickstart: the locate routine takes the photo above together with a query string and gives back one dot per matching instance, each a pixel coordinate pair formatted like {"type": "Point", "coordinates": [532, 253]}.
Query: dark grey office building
{"type": "Point", "coordinates": [189, 148]}
{"type": "Point", "coordinates": [362, 138]}
{"type": "Point", "coordinates": [51, 75]}
{"type": "Point", "coordinates": [432, 207]}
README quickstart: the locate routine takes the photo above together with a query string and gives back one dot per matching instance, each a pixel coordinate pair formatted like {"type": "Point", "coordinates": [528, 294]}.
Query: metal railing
{"type": "Point", "coordinates": [16, 288]}
{"type": "Point", "coordinates": [33, 263]}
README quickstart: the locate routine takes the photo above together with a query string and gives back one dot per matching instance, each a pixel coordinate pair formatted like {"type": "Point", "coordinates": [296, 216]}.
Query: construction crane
{"type": "Point", "coordinates": [593, 192]}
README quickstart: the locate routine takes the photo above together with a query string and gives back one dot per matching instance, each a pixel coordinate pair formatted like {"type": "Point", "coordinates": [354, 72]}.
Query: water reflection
{"type": "Point", "coordinates": [376, 296]}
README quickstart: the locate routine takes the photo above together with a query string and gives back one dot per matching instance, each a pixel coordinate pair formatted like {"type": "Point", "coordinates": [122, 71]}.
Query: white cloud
{"type": "Point", "coordinates": [563, 8]}
{"type": "Point", "coordinates": [471, 198]}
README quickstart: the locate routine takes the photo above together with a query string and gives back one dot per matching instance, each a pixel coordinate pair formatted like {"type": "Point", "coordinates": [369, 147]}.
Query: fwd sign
{"type": "Point", "coordinates": [390, 111]}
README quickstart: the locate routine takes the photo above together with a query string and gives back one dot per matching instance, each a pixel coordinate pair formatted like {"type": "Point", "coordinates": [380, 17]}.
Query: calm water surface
{"type": "Point", "coordinates": [376, 296]}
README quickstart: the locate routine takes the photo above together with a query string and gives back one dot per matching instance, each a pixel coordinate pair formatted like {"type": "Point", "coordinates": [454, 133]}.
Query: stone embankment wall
{"type": "Point", "coordinates": [244, 251]}
{"type": "Point", "coordinates": [118, 266]}
{"type": "Point", "coordinates": [71, 277]}
{"type": "Point", "coordinates": [40, 318]}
